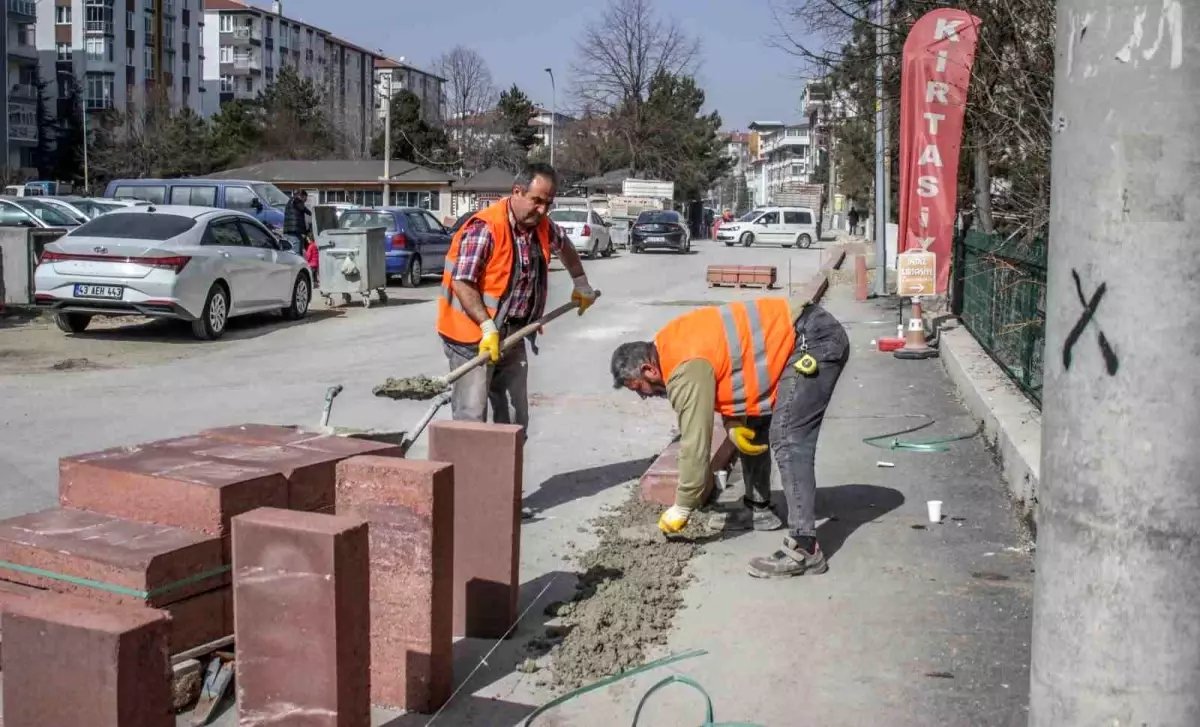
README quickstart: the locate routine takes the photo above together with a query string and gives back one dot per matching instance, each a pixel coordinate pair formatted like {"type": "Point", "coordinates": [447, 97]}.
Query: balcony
{"type": "Point", "coordinates": [244, 34]}
{"type": "Point", "coordinates": [24, 10]}
{"type": "Point", "coordinates": [23, 91]}
{"type": "Point", "coordinates": [243, 65]}
{"type": "Point", "coordinates": [98, 27]}
{"type": "Point", "coordinates": [98, 103]}
{"type": "Point", "coordinates": [23, 51]}
{"type": "Point", "coordinates": [21, 130]}
{"type": "Point", "coordinates": [169, 8]}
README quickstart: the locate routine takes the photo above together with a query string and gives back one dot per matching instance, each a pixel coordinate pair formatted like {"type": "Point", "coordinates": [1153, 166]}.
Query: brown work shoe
{"type": "Point", "coordinates": [790, 560]}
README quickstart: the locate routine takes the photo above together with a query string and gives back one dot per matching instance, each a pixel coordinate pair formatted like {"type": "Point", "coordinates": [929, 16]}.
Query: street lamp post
{"type": "Point", "coordinates": [387, 138]}
{"type": "Point", "coordinates": [553, 113]}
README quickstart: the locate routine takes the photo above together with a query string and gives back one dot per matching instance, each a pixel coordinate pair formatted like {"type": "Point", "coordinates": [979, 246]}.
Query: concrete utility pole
{"type": "Point", "coordinates": [553, 113]}
{"type": "Point", "coordinates": [881, 180]}
{"type": "Point", "coordinates": [1117, 586]}
{"type": "Point", "coordinates": [387, 136]}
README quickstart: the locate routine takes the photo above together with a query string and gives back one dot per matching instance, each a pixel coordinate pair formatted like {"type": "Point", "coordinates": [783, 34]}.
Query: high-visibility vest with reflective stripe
{"type": "Point", "coordinates": [748, 345]}
{"type": "Point", "coordinates": [494, 286]}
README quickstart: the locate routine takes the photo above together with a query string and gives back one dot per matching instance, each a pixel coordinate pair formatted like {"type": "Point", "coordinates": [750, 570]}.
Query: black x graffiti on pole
{"type": "Point", "coordinates": [1089, 312]}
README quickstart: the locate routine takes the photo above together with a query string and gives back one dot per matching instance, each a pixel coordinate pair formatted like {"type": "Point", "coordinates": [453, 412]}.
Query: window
{"type": "Point", "coordinates": [198, 196]}
{"type": "Point", "coordinates": [11, 216]}
{"type": "Point", "coordinates": [797, 218]}
{"type": "Point", "coordinates": [569, 215]}
{"type": "Point", "coordinates": [240, 198]}
{"type": "Point", "coordinates": [270, 28]}
{"type": "Point", "coordinates": [149, 56]}
{"type": "Point", "coordinates": [432, 223]}
{"type": "Point", "coordinates": [257, 236]}
{"type": "Point", "coordinates": [147, 26]}
{"type": "Point", "coordinates": [153, 195]}
{"type": "Point", "coordinates": [415, 222]}
{"type": "Point", "coordinates": [129, 20]}
{"type": "Point", "coordinates": [226, 54]}
{"type": "Point", "coordinates": [63, 50]}
{"type": "Point", "coordinates": [130, 56]}
{"type": "Point", "coordinates": [770, 218]}
{"type": "Point", "coordinates": [794, 132]}
{"type": "Point", "coordinates": [249, 84]}
{"type": "Point", "coordinates": [797, 170]}
{"type": "Point", "coordinates": [136, 226]}
{"type": "Point", "coordinates": [226, 23]}
{"type": "Point", "coordinates": [226, 84]}
{"type": "Point", "coordinates": [99, 92]}
{"type": "Point", "coordinates": [187, 68]}
{"type": "Point", "coordinates": [62, 15]}
{"type": "Point", "coordinates": [367, 218]}
{"type": "Point", "coordinates": [223, 232]}
{"type": "Point", "coordinates": [98, 49]}
{"type": "Point", "coordinates": [270, 194]}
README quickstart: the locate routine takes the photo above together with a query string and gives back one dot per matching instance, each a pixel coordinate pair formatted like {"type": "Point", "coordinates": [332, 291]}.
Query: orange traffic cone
{"type": "Point", "coordinates": [915, 347]}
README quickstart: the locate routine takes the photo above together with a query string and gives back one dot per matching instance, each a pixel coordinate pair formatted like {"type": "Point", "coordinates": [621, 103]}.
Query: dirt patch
{"type": "Point", "coordinates": [625, 599]}
{"type": "Point", "coordinates": [411, 387]}
{"type": "Point", "coordinates": [74, 364]}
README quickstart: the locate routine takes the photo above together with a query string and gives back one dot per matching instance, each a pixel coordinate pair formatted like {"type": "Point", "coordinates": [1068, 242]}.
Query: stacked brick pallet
{"type": "Point", "coordinates": [156, 547]}
{"type": "Point", "coordinates": [741, 276]}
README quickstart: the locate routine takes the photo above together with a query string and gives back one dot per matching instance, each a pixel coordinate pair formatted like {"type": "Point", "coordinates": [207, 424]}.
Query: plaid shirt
{"type": "Point", "coordinates": [475, 249]}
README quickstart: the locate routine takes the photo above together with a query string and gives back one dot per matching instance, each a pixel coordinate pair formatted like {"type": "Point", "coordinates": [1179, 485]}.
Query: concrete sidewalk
{"type": "Point", "coordinates": [915, 624]}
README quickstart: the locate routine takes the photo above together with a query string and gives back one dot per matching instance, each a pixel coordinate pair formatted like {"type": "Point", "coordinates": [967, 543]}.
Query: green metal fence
{"type": "Point", "coordinates": [1003, 303]}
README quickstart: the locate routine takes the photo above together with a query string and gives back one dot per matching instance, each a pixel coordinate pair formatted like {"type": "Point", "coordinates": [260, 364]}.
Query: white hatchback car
{"type": "Point", "coordinates": [587, 231]}
{"type": "Point", "coordinates": [198, 264]}
{"type": "Point", "coordinates": [785, 226]}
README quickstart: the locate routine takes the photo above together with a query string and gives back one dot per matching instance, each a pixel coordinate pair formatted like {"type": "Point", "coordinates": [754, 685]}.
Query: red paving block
{"type": "Point", "coordinates": [15, 593]}
{"type": "Point", "coordinates": [488, 468]}
{"type": "Point", "coordinates": [200, 619]}
{"type": "Point", "coordinates": [145, 564]}
{"type": "Point", "coordinates": [409, 505]}
{"type": "Point", "coordinates": [659, 483]}
{"type": "Point", "coordinates": [174, 488]}
{"type": "Point", "coordinates": [72, 661]}
{"type": "Point", "coordinates": [302, 619]}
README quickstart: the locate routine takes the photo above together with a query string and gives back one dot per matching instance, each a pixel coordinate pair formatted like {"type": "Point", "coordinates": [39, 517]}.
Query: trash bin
{"type": "Point", "coordinates": [352, 262]}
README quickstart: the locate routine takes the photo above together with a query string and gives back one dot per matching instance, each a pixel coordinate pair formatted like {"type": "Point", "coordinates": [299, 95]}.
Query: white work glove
{"type": "Point", "coordinates": [583, 293]}
{"type": "Point", "coordinates": [675, 519]}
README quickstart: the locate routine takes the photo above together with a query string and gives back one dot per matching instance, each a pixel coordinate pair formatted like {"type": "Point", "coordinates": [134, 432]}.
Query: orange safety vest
{"type": "Point", "coordinates": [748, 345]}
{"type": "Point", "coordinates": [494, 287]}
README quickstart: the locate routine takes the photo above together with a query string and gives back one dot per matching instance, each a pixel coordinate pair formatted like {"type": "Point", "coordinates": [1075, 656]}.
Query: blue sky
{"type": "Point", "coordinates": [744, 77]}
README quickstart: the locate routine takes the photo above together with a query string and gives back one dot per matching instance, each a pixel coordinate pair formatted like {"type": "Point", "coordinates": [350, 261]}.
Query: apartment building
{"type": "Point", "coordinates": [393, 76]}
{"type": "Point", "coordinates": [20, 92]}
{"type": "Point", "coordinates": [245, 48]}
{"type": "Point", "coordinates": [784, 157]}
{"type": "Point", "coordinates": [122, 53]}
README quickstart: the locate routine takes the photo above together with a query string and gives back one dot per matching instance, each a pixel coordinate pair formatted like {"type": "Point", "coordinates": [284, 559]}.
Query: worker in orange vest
{"type": "Point", "coordinates": [496, 280]}
{"type": "Point", "coordinates": [769, 368]}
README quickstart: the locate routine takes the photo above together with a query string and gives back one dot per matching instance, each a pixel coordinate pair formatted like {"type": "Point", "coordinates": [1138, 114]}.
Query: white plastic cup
{"type": "Point", "coordinates": [935, 511]}
{"type": "Point", "coordinates": [722, 479]}
{"type": "Point", "coordinates": [900, 330]}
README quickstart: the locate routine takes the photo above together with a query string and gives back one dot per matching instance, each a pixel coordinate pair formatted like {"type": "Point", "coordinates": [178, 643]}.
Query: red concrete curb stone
{"type": "Point", "coordinates": [73, 662]}
{"type": "Point", "coordinates": [488, 474]}
{"type": "Point", "coordinates": [659, 483]}
{"type": "Point", "coordinates": [302, 617]}
{"type": "Point", "coordinates": [112, 551]}
{"type": "Point", "coordinates": [179, 489]}
{"type": "Point", "coordinates": [409, 506]}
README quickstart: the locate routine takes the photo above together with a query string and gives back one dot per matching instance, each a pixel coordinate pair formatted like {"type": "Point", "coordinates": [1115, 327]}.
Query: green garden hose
{"type": "Point", "coordinates": [929, 445]}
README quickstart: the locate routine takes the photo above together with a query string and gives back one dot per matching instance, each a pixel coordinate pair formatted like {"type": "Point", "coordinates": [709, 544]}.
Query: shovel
{"type": "Point", "coordinates": [422, 388]}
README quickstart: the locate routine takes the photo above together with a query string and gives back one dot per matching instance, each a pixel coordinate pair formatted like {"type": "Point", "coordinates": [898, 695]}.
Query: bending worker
{"type": "Point", "coordinates": [769, 368]}
{"type": "Point", "coordinates": [496, 280]}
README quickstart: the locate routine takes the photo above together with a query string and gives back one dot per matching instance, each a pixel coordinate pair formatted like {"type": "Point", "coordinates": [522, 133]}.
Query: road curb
{"type": "Point", "coordinates": [1011, 423]}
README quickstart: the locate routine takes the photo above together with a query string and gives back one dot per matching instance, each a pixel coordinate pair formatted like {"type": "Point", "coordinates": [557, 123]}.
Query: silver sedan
{"type": "Point", "coordinates": [197, 264]}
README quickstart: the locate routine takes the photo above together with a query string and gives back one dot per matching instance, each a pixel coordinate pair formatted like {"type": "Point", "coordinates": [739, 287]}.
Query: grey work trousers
{"type": "Point", "coordinates": [503, 386]}
{"type": "Point", "coordinates": [795, 422]}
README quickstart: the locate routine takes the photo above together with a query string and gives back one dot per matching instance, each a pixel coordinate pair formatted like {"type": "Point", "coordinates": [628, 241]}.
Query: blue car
{"type": "Point", "coordinates": [261, 199]}
{"type": "Point", "coordinates": [417, 244]}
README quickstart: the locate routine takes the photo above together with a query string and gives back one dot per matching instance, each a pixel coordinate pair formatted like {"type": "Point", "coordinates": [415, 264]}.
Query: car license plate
{"type": "Point", "coordinates": [656, 239]}
{"type": "Point", "coordinates": [112, 292]}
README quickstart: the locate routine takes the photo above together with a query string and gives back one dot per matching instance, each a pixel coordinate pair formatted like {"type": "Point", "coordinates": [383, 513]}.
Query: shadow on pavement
{"type": "Point", "coordinates": [470, 711]}
{"type": "Point", "coordinates": [849, 507]}
{"type": "Point", "coordinates": [179, 332]}
{"type": "Point", "coordinates": [568, 486]}
{"type": "Point", "coordinates": [509, 653]}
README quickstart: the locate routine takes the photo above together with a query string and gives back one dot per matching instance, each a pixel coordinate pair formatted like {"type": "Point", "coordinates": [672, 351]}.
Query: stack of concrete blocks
{"type": "Point", "coordinates": [147, 528]}
{"type": "Point", "coordinates": [741, 276]}
{"type": "Point", "coordinates": [659, 483]}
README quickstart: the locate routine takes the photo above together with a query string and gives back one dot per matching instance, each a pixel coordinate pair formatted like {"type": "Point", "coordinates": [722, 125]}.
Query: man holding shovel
{"type": "Point", "coordinates": [496, 280]}
{"type": "Point", "coordinates": [769, 367]}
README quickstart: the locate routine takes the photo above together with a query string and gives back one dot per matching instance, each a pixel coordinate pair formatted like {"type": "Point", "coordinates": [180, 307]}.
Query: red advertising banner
{"type": "Point", "coordinates": [938, 55]}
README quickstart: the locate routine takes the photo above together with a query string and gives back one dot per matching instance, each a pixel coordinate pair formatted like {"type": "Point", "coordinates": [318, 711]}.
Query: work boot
{"type": "Point", "coordinates": [790, 560]}
{"type": "Point", "coordinates": [752, 516]}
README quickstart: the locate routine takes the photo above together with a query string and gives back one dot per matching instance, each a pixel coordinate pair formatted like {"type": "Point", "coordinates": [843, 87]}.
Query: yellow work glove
{"type": "Point", "coordinates": [674, 520]}
{"type": "Point", "coordinates": [583, 293]}
{"type": "Point", "coordinates": [743, 439]}
{"type": "Point", "coordinates": [490, 343]}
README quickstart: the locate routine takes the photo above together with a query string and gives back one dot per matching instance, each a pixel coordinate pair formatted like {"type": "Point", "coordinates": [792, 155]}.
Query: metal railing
{"type": "Point", "coordinates": [23, 7]}
{"type": "Point", "coordinates": [244, 32]}
{"type": "Point", "coordinates": [99, 26]}
{"type": "Point", "coordinates": [22, 132]}
{"type": "Point", "coordinates": [1003, 303]}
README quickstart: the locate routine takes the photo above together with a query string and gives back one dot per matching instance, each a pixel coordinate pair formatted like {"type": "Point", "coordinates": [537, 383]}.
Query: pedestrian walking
{"type": "Point", "coordinates": [496, 280]}
{"type": "Point", "coordinates": [852, 218]}
{"type": "Point", "coordinates": [769, 368]}
{"type": "Point", "coordinates": [297, 225]}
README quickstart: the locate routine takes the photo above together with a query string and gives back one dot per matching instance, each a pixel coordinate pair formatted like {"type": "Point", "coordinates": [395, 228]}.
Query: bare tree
{"type": "Point", "coordinates": [622, 52]}
{"type": "Point", "coordinates": [469, 87]}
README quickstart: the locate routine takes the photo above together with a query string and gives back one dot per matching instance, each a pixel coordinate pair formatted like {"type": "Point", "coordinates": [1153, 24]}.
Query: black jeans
{"type": "Point", "coordinates": [794, 424]}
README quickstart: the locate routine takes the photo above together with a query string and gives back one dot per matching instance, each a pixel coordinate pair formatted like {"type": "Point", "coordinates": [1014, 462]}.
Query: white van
{"type": "Point", "coordinates": [784, 226]}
